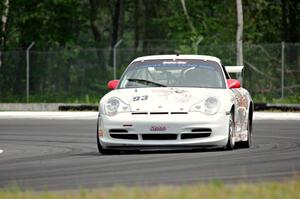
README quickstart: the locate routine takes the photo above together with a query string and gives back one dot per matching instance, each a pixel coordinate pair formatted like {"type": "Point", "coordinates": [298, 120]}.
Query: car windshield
{"type": "Point", "coordinates": [173, 73]}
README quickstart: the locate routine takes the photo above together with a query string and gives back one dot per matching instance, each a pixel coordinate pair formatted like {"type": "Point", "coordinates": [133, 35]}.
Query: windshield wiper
{"type": "Point", "coordinates": [146, 82]}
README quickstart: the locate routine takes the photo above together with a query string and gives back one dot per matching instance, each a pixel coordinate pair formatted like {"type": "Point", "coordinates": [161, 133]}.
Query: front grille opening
{"type": "Point", "coordinates": [159, 113]}
{"type": "Point", "coordinates": [179, 113]}
{"type": "Point", "coordinates": [124, 136]}
{"type": "Point", "coordinates": [139, 113]}
{"type": "Point", "coordinates": [159, 136]}
{"type": "Point", "coordinates": [118, 131]}
{"type": "Point", "coordinates": [201, 130]}
{"type": "Point", "coordinates": [194, 135]}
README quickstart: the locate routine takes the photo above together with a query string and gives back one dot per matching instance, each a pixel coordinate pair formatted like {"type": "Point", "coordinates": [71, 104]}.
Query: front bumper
{"type": "Point", "coordinates": [191, 130]}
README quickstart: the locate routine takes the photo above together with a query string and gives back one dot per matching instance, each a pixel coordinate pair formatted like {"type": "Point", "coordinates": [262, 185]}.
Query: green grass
{"type": "Point", "coordinates": [214, 190]}
{"type": "Point", "coordinates": [83, 99]}
{"type": "Point", "coordinates": [94, 99]}
{"type": "Point", "coordinates": [286, 100]}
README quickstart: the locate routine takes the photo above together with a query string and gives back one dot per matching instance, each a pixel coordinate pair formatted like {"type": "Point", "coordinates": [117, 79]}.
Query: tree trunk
{"type": "Point", "coordinates": [291, 8]}
{"type": "Point", "coordinates": [117, 24]}
{"type": "Point", "coordinates": [94, 9]}
{"type": "Point", "coordinates": [193, 29]}
{"type": "Point", "coordinates": [139, 24]}
{"type": "Point", "coordinates": [196, 38]}
{"type": "Point", "coordinates": [136, 24]}
{"type": "Point", "coordinates": [4, 18]}
{"type": "Point", "coordinates": [290, 20]}
{"type": "Point", "coordinates": [284, 20]}
{"type": "Point", "coordinates": [290, 23]}
{"type": "Point", "coordinates": [293, 20]}
{"type": "Point", "coordinates": [239, 35]}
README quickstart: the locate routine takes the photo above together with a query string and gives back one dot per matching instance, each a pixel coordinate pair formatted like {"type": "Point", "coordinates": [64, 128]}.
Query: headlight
{"type": "Point", "coordinates": [114, 106]}
{"type": "Point", "coordinates": [209, 105]}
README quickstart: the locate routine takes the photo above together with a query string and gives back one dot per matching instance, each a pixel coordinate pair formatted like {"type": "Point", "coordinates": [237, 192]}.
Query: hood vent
{"type": "Point", "coordinates": [158, 113]}
{"type": "Point", "coordinates": [178, 113]}
{"type": "Point", "coordinates": [139, 113]}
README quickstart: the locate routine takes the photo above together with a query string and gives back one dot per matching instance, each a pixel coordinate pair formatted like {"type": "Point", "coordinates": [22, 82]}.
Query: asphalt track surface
{"type": "Point", "coordinates": [62, 154]}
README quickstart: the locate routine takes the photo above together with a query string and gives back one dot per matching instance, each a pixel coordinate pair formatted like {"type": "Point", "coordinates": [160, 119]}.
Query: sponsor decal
{"type": "Point", "coordinates": [158, 128]}
{"type": "Point", "coordinates": [174, 62]}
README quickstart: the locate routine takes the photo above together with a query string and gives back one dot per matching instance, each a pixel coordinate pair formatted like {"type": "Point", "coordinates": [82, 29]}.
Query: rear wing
{"type": "Point", "coordinates": [234, 69]}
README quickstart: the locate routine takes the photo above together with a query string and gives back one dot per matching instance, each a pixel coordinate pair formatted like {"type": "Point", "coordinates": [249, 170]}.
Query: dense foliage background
{"type": "Point", "coordinates": [72, 56]}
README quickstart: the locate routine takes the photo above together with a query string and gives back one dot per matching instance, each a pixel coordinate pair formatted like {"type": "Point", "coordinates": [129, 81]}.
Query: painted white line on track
{"type": "Point", "coordinates": [276, 116]}
{"type": "Point", "coordinates": [1, 151]}
{"type": "Point", "coordinates": [49, 115]}
{"type": "Point", "coordinates": [89, 115]}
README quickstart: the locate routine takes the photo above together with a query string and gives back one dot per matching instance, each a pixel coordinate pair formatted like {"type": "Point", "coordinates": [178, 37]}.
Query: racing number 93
{"type": "Point", "coordinates": [142, 98]}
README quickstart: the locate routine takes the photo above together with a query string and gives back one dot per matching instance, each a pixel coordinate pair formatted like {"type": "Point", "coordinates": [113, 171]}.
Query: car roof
{"type": "Point", "coordinates": [201, 57]}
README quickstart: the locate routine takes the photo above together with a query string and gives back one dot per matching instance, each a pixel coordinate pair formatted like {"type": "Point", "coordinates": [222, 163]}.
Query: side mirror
{"type": "Point", "coordinates": [112, 84]}
{"type": "Point", "coordinates": [233, 83]}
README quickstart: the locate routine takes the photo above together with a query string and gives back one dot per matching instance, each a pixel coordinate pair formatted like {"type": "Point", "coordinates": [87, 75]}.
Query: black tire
{"type": "Point", "coordinates": [230, 143]}
{"type": "Point", "coordinates": [248, 143]}
{"type": "Point", "coordinates": [101, 150]}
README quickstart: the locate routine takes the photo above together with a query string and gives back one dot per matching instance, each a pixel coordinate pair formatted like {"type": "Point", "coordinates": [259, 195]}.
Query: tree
{"type": "Point", "coordinates": [4, 17]}
{"type": "Point", "coordinates": [290, 20]}
{"type": "Point", "coordinates": [117, 22]}
{"type": "Point", "coordinates": [97, 32]}
{"type": "Point", "coordinates": [196, 39]}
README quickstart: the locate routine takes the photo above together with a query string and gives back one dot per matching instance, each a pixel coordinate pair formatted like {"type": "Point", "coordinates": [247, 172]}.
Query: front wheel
{"type": "Point", "coordinates": [101, 150]}
{"type": "Point", "coordinates": [231, 142]}
{"type": "Point", "coordinates": [248, 143]}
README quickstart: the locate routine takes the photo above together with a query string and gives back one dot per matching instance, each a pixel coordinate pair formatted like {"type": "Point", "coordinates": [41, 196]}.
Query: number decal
{"type": "Point", "coordinates": [136, 98]}
{"type": "Point", "coordinates": [142, 98]}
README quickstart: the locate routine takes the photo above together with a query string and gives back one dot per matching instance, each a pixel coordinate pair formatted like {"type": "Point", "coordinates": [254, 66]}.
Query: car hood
{"type": "Point", "coordinates": [163, 99]}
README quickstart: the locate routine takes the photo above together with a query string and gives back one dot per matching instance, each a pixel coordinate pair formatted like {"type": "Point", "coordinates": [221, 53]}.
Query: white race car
{"type": "Point", "coordinates": [172, 102]}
